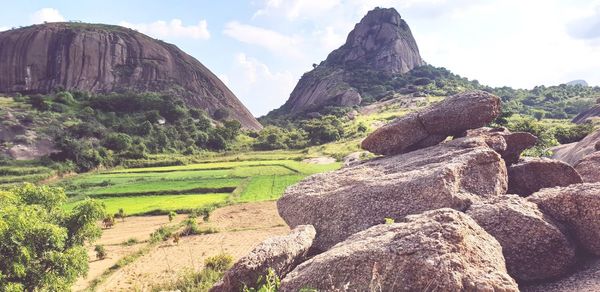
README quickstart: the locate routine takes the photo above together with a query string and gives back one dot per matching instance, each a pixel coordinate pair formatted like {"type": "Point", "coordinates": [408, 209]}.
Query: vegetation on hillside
{"type": "Point", "coordinates": [92, 130]}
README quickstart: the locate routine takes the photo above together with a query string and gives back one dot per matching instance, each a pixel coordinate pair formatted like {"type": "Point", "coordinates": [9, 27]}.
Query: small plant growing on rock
{"type": "Point", "coordinates": [100, 252]}
{"type": "Point", "coordinates": [389, 221]}
{"type": "Point", "coordinates": [267, 283]}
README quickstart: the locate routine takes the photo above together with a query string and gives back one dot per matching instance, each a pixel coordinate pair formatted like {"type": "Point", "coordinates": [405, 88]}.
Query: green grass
{"type": "Point", "coordinates": [182, 188]}
{"type": "Point", "coordinates": [139, 205]}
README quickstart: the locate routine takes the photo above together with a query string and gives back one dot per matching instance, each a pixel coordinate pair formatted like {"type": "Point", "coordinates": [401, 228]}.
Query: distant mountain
{"type": "Point", "coordinates": [105, 58]}
{"type": "Point", "coordinates": [380, 43]}
{"type": "Point", "coordinates": [578, 82]}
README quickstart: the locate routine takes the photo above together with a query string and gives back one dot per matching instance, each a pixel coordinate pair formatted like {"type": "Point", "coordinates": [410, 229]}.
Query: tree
{"type": "Point", "coordinates": [117, 142]}
{"type": "Point", "coordinates": [42, 244]}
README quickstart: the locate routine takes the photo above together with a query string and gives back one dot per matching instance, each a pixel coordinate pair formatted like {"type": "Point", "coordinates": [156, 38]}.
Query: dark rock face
{"type": "Point", "coordinates": [105, 58]}
{"type": "Point", "coordinates": [533, 174]}
{"type": "Point", "coordinates": [533, 246]}
{"type": "Point", "coordinates": [576, 206]}
{"type": "Point", "coordinates": [381, 41]}
{"type": "Point", "coordinates": [428, 127]}
{"type": "Point", "coordinates": [440, 250]}
{"type": "Point", "coordinates": [585, 115]}
{"type": "Point", "coordinates": [282, 254]}
{"type": "Point", "coordinates": [343, 202]}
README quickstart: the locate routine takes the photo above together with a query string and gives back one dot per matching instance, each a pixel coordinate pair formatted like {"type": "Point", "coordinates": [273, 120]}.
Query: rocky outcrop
{"type": "Point", "coordinates": [593, 112]}
{"type": "Point", "coordinates": [441, 250]}
{"type": "Point", "coordinates": [516, 143]}
{"type": "Point", "coordinates": [428, 127]}
{"type": "Point", "coordinates": [576, 206]}
{"type": "Point", "coordinates": [589, 167]}
{"type": "Point", "coordinates": [533, 174]}
{"type": "Point", "coordinates": [533, 246]}
{"type": "Point", "coordinates": [349, 200]}
{"type": "Point", "coordinates": [381, 42]}
{"type": "Point", "coordinates": [281, 254]}
{"type": "Point", "coordinates": [574, 152]}
{"type": "Point", "coordinates": [107, 58]}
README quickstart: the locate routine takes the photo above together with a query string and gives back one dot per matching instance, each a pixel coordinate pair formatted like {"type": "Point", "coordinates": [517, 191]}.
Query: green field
{"type": "Point", "coordinates": [182, 188]}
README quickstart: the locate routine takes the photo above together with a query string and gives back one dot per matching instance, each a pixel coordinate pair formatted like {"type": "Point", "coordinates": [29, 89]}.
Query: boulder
{"type": "Point", "coordinates": [515, 142]}
{"type": "Point", "coordinates": [354, 198]}
{"type": "Point", "coordinates": [432, 125]}
{"type": "Point", "coordinates": [589, 168]}
{"type": "Point", "coordinates": [532, 174]}
{"type": "Point", "coordinates": [282, 254]}
{"type": "Point", "coordinates": [576, 206]}
{"type": "Point", "coordinates": [440, 250]}
{"type": "Point", "coordinates": [574, 152]}
{"type": "Point", "coordinates": [533, 246]}
{"type": "Point", "coordinates": [585, 279]}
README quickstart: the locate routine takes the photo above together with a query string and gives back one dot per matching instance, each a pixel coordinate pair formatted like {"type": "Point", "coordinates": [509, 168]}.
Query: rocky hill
{"type": "Point", "coordinates": [381, 42]}
{"type": "Point", "coordinates": [462, 215]}
{"type": "Point", "coordinates": [104, 58]}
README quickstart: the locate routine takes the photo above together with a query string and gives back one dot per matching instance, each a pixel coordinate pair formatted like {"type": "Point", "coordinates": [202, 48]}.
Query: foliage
{"type": "Point", "coordinates": [41, 243]}
{"type": "Point", "coordinates": [100, 251]}
{"type": "Point", "coordinates": [266, 283]}
{"type": "Point", "coordinates": [220, 262]}
{"type": "Point", "coordinates": [172, 216]}
{"type": "Point", "coordinates": [191, 281]}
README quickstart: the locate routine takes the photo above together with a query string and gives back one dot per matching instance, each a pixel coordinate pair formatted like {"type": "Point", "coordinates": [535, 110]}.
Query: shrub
{"type": "Point", "coordinates": [100, 252]}
{"type": "Point", "coordinates": [172, 216]}
{"type": "Point", "coordinates": [219, 263]}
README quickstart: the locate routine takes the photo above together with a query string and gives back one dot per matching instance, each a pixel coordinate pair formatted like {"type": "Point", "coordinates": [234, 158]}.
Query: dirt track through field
{"type": "Point", "coordinates": [241, 227]}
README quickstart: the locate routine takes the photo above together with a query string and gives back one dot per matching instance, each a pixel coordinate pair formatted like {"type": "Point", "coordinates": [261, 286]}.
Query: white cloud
{"type": "Point", "coordinates": [4, 28]}
{"type": "Point", "coordinates": [330, 38]}
{"type": "Point", "coordinates": [259, 88]}
{"type": "Point", "coordinates": [172, 29]}
{"type": "Point", "coordinates": [46, 15]}
{"type": "Point", "coordinates": [296, 9]}
{"type": "Point", "coordinates": [269, 39]}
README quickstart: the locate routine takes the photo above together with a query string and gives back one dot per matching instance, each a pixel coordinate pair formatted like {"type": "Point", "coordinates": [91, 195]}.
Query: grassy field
{"type": "Point", "coordinates": [182, 188]}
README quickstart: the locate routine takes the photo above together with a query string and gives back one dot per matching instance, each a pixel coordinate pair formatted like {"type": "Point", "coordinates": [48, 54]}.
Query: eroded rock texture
{"type": "Point", "coordinates": [440, 250]}
{"type": "Point", "coordinates": [344, 202]}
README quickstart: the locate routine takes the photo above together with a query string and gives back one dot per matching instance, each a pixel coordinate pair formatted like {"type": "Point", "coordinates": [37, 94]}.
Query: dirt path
{"type": "Point", "coordinates": [241, 227]}
{"type": "Point", "coordinates": [138, 228]}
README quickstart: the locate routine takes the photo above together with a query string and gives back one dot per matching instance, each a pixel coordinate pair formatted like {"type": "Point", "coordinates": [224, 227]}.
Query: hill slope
{"type": "Point", "coordinates": [105, 58]}
{"type": "Point", "coordinates": [381, 42]}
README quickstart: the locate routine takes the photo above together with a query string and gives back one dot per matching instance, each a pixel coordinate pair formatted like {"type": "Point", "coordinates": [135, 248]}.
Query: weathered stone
{"type": "Point", "coordinates": [589, 168]}
{"type": "Point", "coordinates": [591, 113]}
{"type": "Point", "coordinates": [282, 254]}
{"type": "Point", "coordinates": [574, 152]}
{"type": "Point", "coordinates": [108, 58]}
{"type": "Point", "coordinates": [585, 279]}
{"type": "Point", "coordinates": [576, 206]}
{"type": "Point", "coordinates": [428, 127]}
{"type": "Point", "coordinates": [532, 174]}
{"type": "Point", "coordinates": [440, 250]}
{"type": "Point", "coordinates": [515, 142]}
{"type": "Point", "coordinates": [354, 198]}
{"type": "Point", "coordinates": [533, 246]}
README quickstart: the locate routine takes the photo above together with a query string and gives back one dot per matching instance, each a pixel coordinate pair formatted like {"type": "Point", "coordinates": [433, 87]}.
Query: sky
{"type": "Point", "coordinates": [261, 48]}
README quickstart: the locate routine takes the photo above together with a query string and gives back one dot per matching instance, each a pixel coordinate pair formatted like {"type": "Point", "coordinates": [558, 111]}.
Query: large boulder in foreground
{"type": "Point", "coordinates": [281, 253]}
{"type": "Point", "coordinates": [585, 279]}
{"type": "Point", "coordinates": [431, 126]}
{"type": "Point", "coordinates": [576, 206]}
{"type": "Point", "coordinates": [533, 246]}
{"type": "Point", "coordinates": [589, 167]}
{"type": "Point", "coordinates": [516, 142]}
{"type": "Point", "coordinates": [533, 174]}
{"type": "Point", "coordinates": [352, 199]}
{"type": "Point", "coordinates": [440, 250]}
